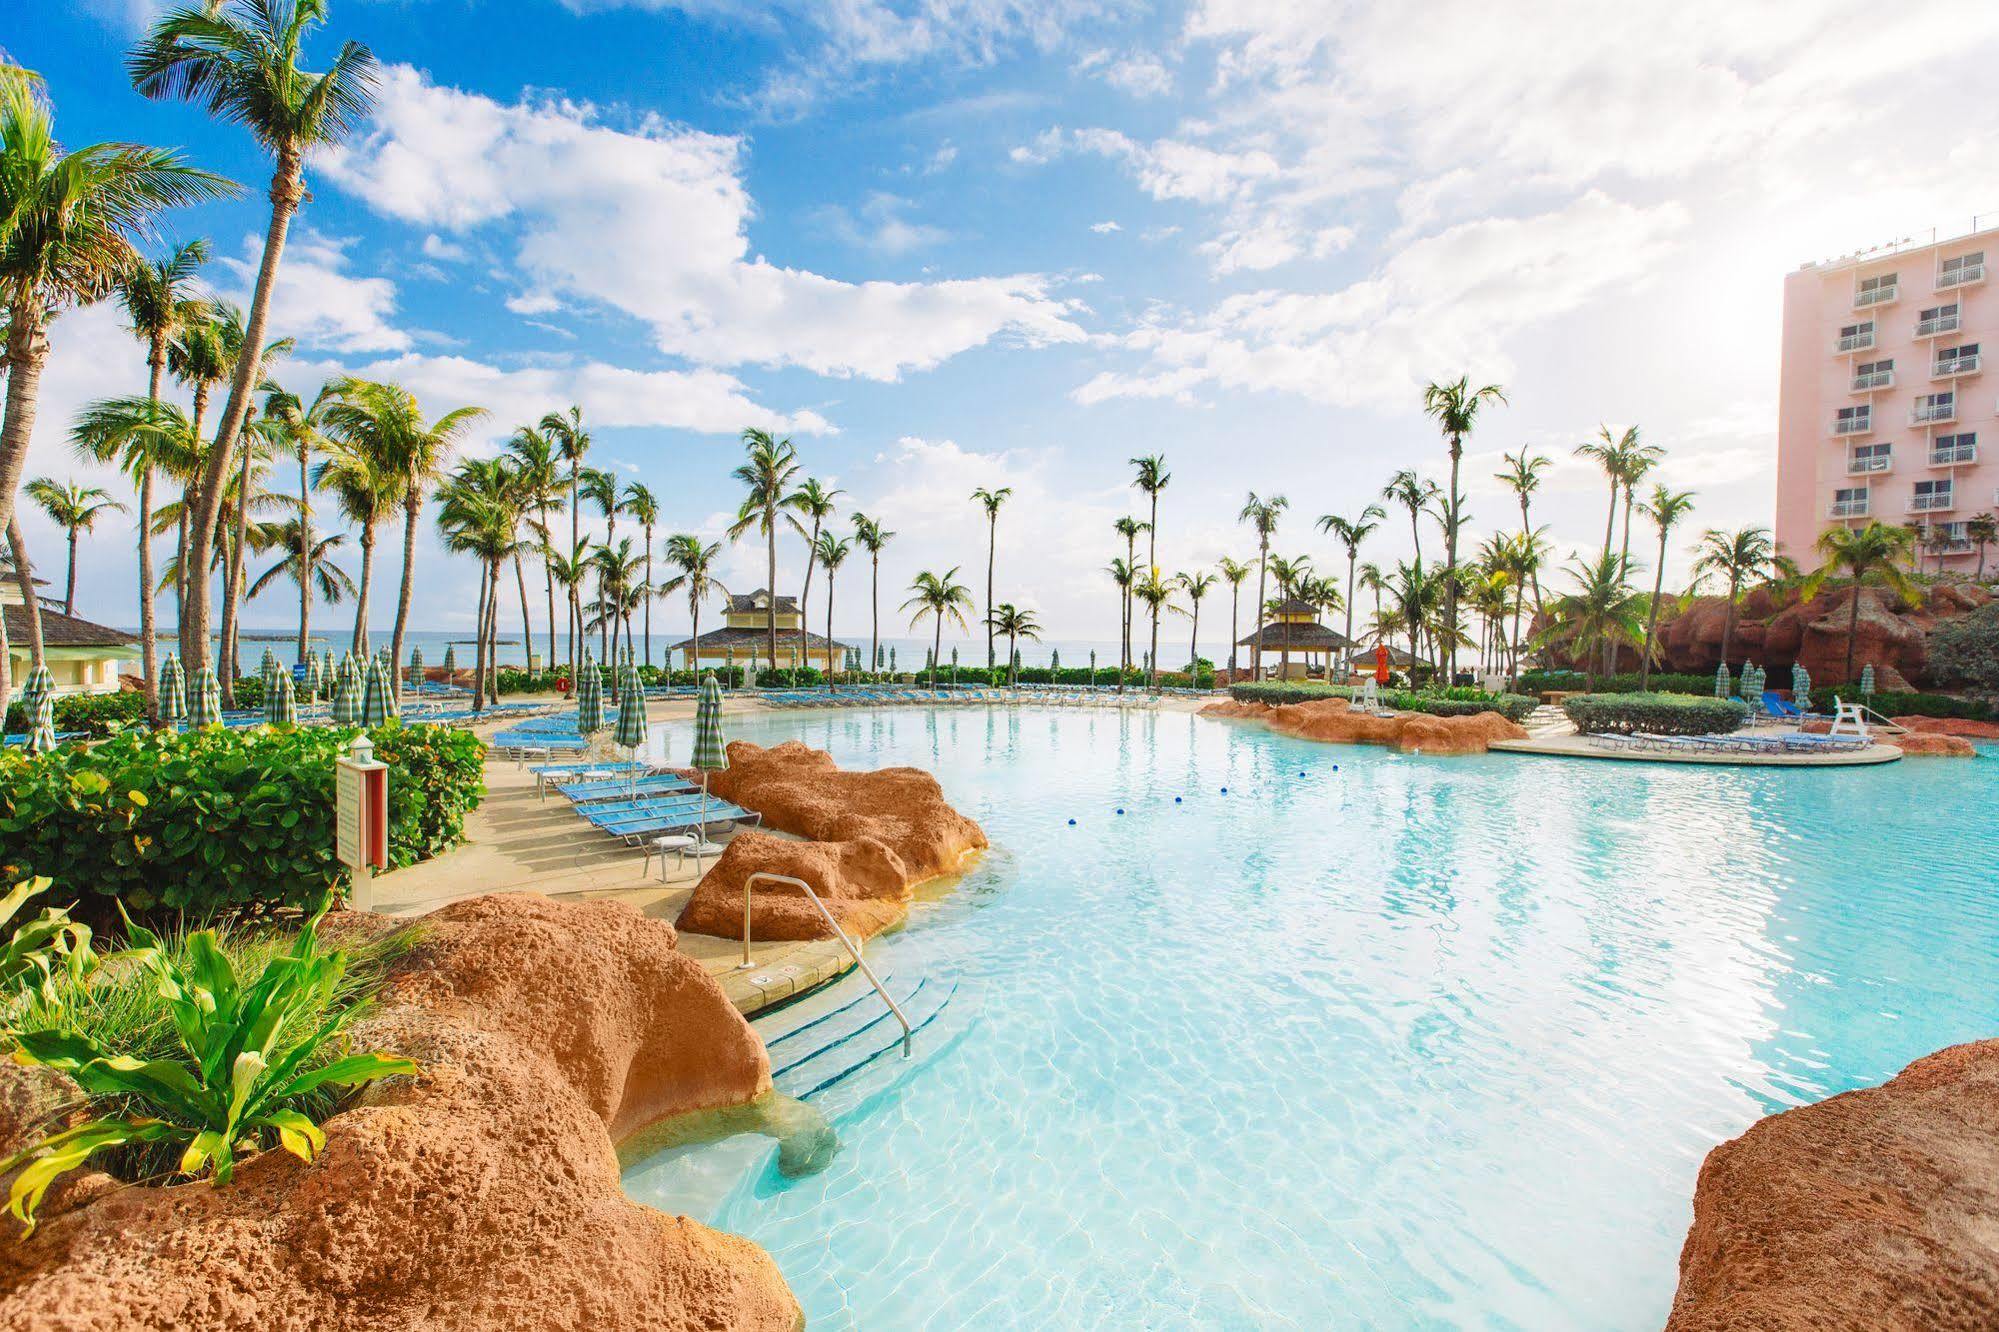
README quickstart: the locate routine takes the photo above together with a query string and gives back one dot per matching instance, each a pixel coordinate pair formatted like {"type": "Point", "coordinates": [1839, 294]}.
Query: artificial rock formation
{"type": "Point", "coordinates": [1962, 726]}
{"type": "Point", "coordinates": [482, 1193]}
{"type": "Point", "coordinates": [1335, 721]}
{"type": "Point", "coordinates": [1891, 636]}
{"type": "Point", "coordinates": [1877, 1209]}
{"type": "Point", "coordinates": [870, 838]}
{"type": "Point", "coordinates": [1932, 744]}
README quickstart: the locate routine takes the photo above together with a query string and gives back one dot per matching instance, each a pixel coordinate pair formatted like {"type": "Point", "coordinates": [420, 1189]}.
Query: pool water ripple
{"type": "Point", "coordinates": [1410, 1043]}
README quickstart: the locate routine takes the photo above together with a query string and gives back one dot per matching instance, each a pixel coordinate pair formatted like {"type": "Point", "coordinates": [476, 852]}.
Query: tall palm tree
{"type": "Point", "coordinates": [766, 474]}
{"type": "Point", "coordinates": [1233, 574]}
{"type": "Point", "coordinates": [1737, 558]}
{"type": "Point", "coordinates": [197, 359]}
{"type": "Point", "coordinates": [479, 514]}
{"type": "Point", "coordinates": [1414, 494]}
{"type": "Point", "coordinates": [1350, 533]}
{"type": "Point", "coordinates": [1196, 586]}
{"type": "Point", "coordinates": [872, 536]}
{"type": "Point", "coordinates": [1665, 508]}
{"type": "Point", "coordinates": [570, 572]}
{"type": "Point", "coordinates": [1157, 595]}
{"type": "Point", "coordinates": [159, 297]}
{"type": "Point", "coordinates": [1511, 560]}
{"type": "Point", "coordinates": [572, 446]}
{"type": "Point", "coordinates": [1016, 622]}
{"type": "Point", "coordinates": [1455, 407]}
{"type": "Point", "coordinates": [601, 489]}
{"type": "Point", "coordinates": [365, 489]}
{"type": "Point", "coordinates": [254, 443]}
{"type": "Point", "coordinates": [1128, 528]}
{"type": "Point", "coordinates": [538, 476]}
{"type": "Point", "coordinates": [1871, 554]}
{"type": "Point", "coordinates": [1623, 457]}
{"type": "Point", "coordinates": [938, 596]}
{"type": "Point", "coordinates": [696, 577]}
{"type": "Point", "coordinates": [815, 501]}
{"type": "Point", "coordinates": [239, 60]}
{"type": "Point", "coordinates": [1262, 516]}
{"type": "Point", "coordinates": [1122, 574]}
{"type": "Point", "coordinates": [991, 500]}
{"type": "Point", "coordinates": [1522, 476]}
{"type": "Point", "coordinates": [1602, 611]}
{"type": "Point", "coordinates": [329, 581]}
{"type": "Point", "coordinates": [620, 588]}
{"type": "Point", "coordinates": [642, 507]}
{"type": "Point", "coordinates": [1982, 529]}
{"type": "Point", "coordinates": [1151, 479]}
{"type": "Point", "coordinates": [75, 509]}
{"type": "Point", "coordinates": [302, 425]}
{"type": "Point", "coordinates": [832, 553]}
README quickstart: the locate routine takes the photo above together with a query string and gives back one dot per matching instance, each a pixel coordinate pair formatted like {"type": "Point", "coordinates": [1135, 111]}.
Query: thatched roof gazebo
{"type": "Point", "coordinates": [1294, 631]}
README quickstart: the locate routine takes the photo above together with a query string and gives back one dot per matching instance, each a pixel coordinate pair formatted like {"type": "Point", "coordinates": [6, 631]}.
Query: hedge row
{"type": "Point", "coordinates": [1654, 714]}
{"type": "Point", "coordinates": [98, 715]}
{"type": "Point", "coordinates": [1625, 682]}
{"type": "Point", "coordinates": [220, 821]}
{"type": "Point", "coordinates": [1456, 702]}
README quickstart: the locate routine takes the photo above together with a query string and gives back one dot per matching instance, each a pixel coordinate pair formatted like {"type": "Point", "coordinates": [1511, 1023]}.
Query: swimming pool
{"type": "Point", "coordinates": [1400, 1042]}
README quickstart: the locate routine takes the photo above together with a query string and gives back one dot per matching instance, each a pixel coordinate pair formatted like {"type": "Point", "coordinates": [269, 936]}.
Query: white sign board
{"type": "Point", "coordinates": [350, 826]}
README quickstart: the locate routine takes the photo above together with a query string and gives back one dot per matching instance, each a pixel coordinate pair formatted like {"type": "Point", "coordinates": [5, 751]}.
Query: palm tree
{"type": "Point", "coordinates": [257, 441]}
{"type": "Point", "coordinates": [991, 500]}
{"type": "Point", "coordinates": [1016, 623]}
{"type": "Point", "coordinates": [1262, 516]}
{"type": "Point", "coordinates": [479, 514]}
{"type": "Point", "coordinates": [765, 474]}
{"type": "Point", "coordinates": [1233, 573]}
{"type": "Point", "coordinates": [159, 298]}
{"type": "Point", "coordinates": [196, 359]}
{"type": "Point", "coordinates": [570, 573]}
{"type": "Point", "coordinates": [601, 489]}
{"type": "Point", "coordinates": [1350, 532]}
{"type": "Point", "coordinates": [365, 490]}
{"type": "Point", "coordinates": [538, 476]}
{"type": "Point", "coordinates": [1873, 553]}
{"type": "Point", "coordinates": [75, 509]}
{"type": "Point", "coordinates": [872, 536]}
{"type": "Point", "coordinates": [1289, 572]}
{"type": "Point", "coordinates": [816, 502]}
{"type": "Point", "coordinates": [1416, 593]}
{"type": "Point", "coordinates": [1666, 508]}
{"type": "Point", "coordinates": [642, 507]}
{"type": "Point", "coordinates": [1523, 477]}
{"type": "Point", "coordinates": [1602, 612]}
{"type": "Point", "coordinates": [239, 60]}
{"type": "Point", "coordinates": [572, 445]}
{"type": "Point", "coordinates": [1151, 479]}
{"type": "Point", "coordinates": [1121, 573]}
{"type": "Point", "coordinates": [696, 577]}
{"type": "Point", "coordinates": [1511, 562]}
{"type": "Point", "coordinates": [1128, 528]}
{"type": "Point", "coordinates": [303, 427]}
{"type": "Point", "coordinates": [938, 596]}
{"type": "Point", "coordinates": [1414, 494]}
{"type": "Point", "coordinates": [1196, 586]}
{"type": "Point", "coordinates": [1156, 595]}
{"type": "Point", "coordinates": [328, 580]}
{"type": "Point", "coordinates": [832, 553]}
{"type": "Point", "coordinates": [1371, 580]}
{"type": "Point", "coordinates": [1982, 529]}
{"type": "Point", "coordinates": [1737, 558]}
{"type": "Point", "coordinates": [1455, 406]}
{"type": "Point", "coordinates": [620, 589]}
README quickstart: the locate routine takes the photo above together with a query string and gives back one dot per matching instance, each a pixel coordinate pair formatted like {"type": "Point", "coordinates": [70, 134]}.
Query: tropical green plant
{"type": "Point", "coordinates": [832, 553]}
{"type": "Point", "coordinates": [1350, 533]}
{"type": "Point", "coordinates": [1981, 529]}
{"type": "Point", "coordinates": [253, 1052]}
{"type": "Point", "coordinates": [572, 444]}
{"type": "Point", "coordinates": [1157, 594]}
{"type": "Point", "coordinates": [1415, 495]}
{"type": "Point", "coordinates": [75, 508]}
{"type": "Point", "coordinates": [300, 426]}
{"type": "Point", "coordinates": [1262, 516]}
{"type": "Point", "coordinates": [642, 507]}
{"type": "Point", "coordinates": [1196, 586]}
{"type": "Point", "coordinates": [1451, 703]}
{"type": "Point", "coordinates": [98, 715]}
{"type": "Point", "coordinates": [479, 514]}
{"type": "Point", "coordinates": [1455, 408]}
{"type": "Point", "coordinates": [1655, 714]}
{"type": "Point", "coordinates": [1602, 613]}
{"type": "Point", "coordinates": [1964, 650]}
{"type": "Point", "coordinates": [939, 596]}
{"type": "Point", "coordinates": [359, 472]}
{"type": "Point", "coordinates": [305, 564]}
{"type": "Point", "coordinates": [991, 500]}
{"type": "Point", "coordinates": [36, 952]}
{"type": "Point", "coordinates": [765, 474]}
{"type": "Point", "coordinates": [1151, 478]}
{"type": "Point", "coordinates": [1523, 477]}
{"type": "Point", "coordinates": [695, 560]}
{"type": "Point", "coordinates": [1233, 573]}
{"type": "Point", "coordinates": [1873, 554]}
{"type": "Point", "coordinates": [814, 501]}
{"type": "Point", "coordinates": [872, 536]}
{"type": "Point", "coordinates": [1128, 528]}
{"type": "Point", "coordinates": [1665, 508]}
{"type": "Point", "coordinates": [240, 61]}
{"type": "Point", "coordinates": [538, 479]}
{"type": "Point", "coordinates": [1016, 622]}
{"type": "Point", "coordinates": [1738, 559]}
{"type": "Point", "coordinates": [258, 441]}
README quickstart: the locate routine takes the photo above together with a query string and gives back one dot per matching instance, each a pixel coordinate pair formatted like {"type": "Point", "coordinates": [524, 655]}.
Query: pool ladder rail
{"type": "Point", "coordinates": [853, 948]}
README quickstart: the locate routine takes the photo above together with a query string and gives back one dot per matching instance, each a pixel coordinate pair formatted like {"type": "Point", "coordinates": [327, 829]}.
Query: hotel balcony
{"type": "Point", "coordinates": [1955, 366]}
{"type": "Point", "coordinates": [1934, 408]}
{"type": "Point", "coordinates": [1854, 342]}
{"type": "Point", "coordinates": [1848, 509]}
{"type": "Point", "coordinates": [1954, 455]}
{"type": "Point", "coordinates": [1852, 425]}
{"type": "Point", "coordinates": [1874, 296]}
{"type": "Point", "coordinates": [1939, 325]}
{"type": "Point", "coordinates": [1873, 379]}
{"type": "Point", "coordinates": [1870, 466]}
{"type": "Point", "coordinates": [1967, 276]}
{"type": "Point", "coordinates": [1942, 502]}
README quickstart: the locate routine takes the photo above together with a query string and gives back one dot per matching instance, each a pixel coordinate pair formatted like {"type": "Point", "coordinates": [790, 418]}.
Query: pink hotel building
{"type": "Point", "coordinates": [1884, 411]}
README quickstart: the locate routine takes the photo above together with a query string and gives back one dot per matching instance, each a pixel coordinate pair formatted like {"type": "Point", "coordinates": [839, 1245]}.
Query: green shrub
{"type": "Point", "coordinates": [250, 1061]}
{"type": "Point", "coordinates": [219, 821]}
{"type": "Point", "coordinates": [97, 715]}
{"type": "Point", "coordinates": [1654, 714]}
{"type": "Point", "coordinates": [1923, 705]}
{"type": "Point", "coordinates": [1625, 682]}
{"type": "Point", "coordinates": [1459, 701]}
{"type": "Point", "coordinates": [1965, 650]}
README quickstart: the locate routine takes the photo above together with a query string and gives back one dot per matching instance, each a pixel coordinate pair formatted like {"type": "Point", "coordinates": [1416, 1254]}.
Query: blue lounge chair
{"type": "Point", "coordinates": [583, 793]}
{"type": "Point", "coordinates": [679, 820]}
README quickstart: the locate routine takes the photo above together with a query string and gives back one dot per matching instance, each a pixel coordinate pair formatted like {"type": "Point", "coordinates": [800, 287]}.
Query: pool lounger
{"type": "Point", "coordinates": [676, 818]}
{"type": "Point", "coordinates": [583, 793]}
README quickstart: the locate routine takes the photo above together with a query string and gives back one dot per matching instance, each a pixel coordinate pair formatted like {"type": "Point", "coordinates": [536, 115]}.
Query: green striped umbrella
{"type": "Point", "coordinates": [416, 668]}
{"type": "Point", "coordinates": [378, 702]}
{"type": "Point", "coordinates": [590, 699]}
{"type": "Point", "coordinates": [314, 679]}
{"type": "Point", "coordinates": [346, 701]}
{"type": "Point", "coordinates": [450, 661]}
{"type": "Point", "coordinates": [204, 699]}
{"type": "Point", "coordinates": [1867, 680]}
{"type": "Point", "coordinates": [173, 690]}
{"type": "Point", "coordinates": [1721, 680]}
{"type": "Point", "coordinates": [281, 703]}
{"type": "Point", "coordinates": [1801, 688]}
{"type": "Point", "coordinates": [710, 752]}
{"type": "Point", "coordinates": [631, 731]}
{"type": "Point", "coordinates": [38, 686]}
{"type": "Point", "coordinates": [268, 669]}
{"type": "Point", "coordinates": [42, 733]}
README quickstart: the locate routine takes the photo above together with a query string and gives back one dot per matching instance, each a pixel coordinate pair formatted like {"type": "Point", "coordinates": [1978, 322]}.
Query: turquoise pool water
{"type": "Point", "coordinates": [1400, 1042]}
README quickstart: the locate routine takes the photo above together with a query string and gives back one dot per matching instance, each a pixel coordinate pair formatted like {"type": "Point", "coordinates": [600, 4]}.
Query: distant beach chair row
{"type": "Point", "coordinates": [1057, 696]}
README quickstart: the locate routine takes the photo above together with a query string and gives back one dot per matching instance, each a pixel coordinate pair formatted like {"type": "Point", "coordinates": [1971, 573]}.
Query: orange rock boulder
{"type": "Point", "coordinates": [1964, 726]}
{"type": "Point", "coordinates": [483, 1193]}
{"type": "Point", "coordinates": [1335, 721]}
{"type": "Point", "coordinates": [863, 883]}
{"type": "Point", "coordinates": [1876, 1209]}
{"type": "Point", "coordinates": [1933, 744]}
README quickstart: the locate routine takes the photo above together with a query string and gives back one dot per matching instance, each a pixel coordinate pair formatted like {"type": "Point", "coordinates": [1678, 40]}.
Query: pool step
{"type": "Point", "coordinates": [832, 1036]}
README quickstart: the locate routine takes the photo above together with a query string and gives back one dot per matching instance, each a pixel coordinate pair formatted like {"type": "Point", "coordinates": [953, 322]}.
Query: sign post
{"type": "Point", "coordinates": [361, 820]}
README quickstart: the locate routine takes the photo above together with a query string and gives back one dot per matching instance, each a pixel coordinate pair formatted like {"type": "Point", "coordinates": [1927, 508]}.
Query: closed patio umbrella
{"type": "Point", "coordinates": [711, 754]}
{"type": "Point", "coordinates": [204, 699]}
{"type": "Point", "coordinates": [346, 701]}
{"type": "Point", "coordinates": [631, 731]}
{"type": "Point", "coordinates": [1867, 680]}
{"type": "Point", "coordinates": [42, 725]}
{"type": "Point", "coordinates": [416, 668]}
{"type": "Point", "coordinates": [377, 698]}
{"type": "Point", "coordinates": [590, 699]}
{"type": "Point", "coordinates": [1721, 680]}
{"type": "Point", "coordinates": [173, 690]}
{"type": "Point", "coordinates": [450, 662]}
{"type": "Point", "coordinates": [281, 703]}
{"type": "Point", "coordinates": [38, 686]}
{"type": "Point", "coordinates": [1801, 688]}
{"type": "Point", "coordinates": [314, 679]}
{"type": "Point", "coordinates": [268, 669]}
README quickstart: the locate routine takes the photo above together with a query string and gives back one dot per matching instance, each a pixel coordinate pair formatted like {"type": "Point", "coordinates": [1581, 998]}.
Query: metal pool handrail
{"type": "Point", "coordinates": [853, 949]}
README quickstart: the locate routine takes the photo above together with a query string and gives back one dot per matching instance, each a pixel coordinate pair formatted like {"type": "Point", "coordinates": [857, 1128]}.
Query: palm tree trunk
{"type": "Point", "coordinates": [874, 612]}
{"type": "Point", "coordinates": [1154, 665]}
{"type": "Point", "coordinates": [69, 581]}
{"type": "Point", "coordinates": [1652, 619]}
{"type": "Point", "coordinates": [412, 511]}
{"type": "Point", "coordinates": [1235, 614]}
{"type": "Point", "coordinates": [27, 352]}
{"type": "Point", "coordinates": [527, 628]}
{"type": "Point", "coordinates": [1610, 519]}
{"type": "Point", "coordinates": [648, 594]}
{"type": "Point", "coordinates": [149, 638]}
{"type": "Point", "coordinates": [770, 588]}
{"type": "Point", "coordinates": [1852, 625]}
{"type": "Point", "coordinates": [936, 648]}
{"type": "Point", "coordinates": [1256, 649]}
{"type": "Point", "coordinates": [360, 643]}
{"type": "Point", "coordinates": [575, 601]}
{"type": "Point", "coordinates": [1728, 623]}
{"type": "Point", "coordinates": [1194, 640]}
{"type": "Point", "coordinates": [829, 627]}
{"type": "Point", "coordinates": [1451, 568]}
{"type": "Point", "coordinates": [992, 542]}
{"type": "Point", "coordinates": [31, 606]}
{"type": "Point", "coordinates": [236, 574]}
{"type": "Point", "coordinates": [479, 643]}
{"type": "Point", "coordinates": [287, 189]}
{"type": "Point", "coordinates": [693, 649]}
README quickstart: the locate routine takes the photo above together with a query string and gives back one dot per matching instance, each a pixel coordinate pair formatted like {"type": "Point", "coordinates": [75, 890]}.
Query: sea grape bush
{"type": "Point", "coordinates": [1458, 701]}
{"type": "Point", "coordinates": [97, 715]}
{"type": "Point", "coordinates": [220, 821]}
{"type": "Point", "coordinates": [1654, 714]}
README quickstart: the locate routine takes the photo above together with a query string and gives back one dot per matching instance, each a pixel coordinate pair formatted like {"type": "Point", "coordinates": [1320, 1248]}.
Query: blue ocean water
{"type": "Point", "coordinates": [1367, 1040]}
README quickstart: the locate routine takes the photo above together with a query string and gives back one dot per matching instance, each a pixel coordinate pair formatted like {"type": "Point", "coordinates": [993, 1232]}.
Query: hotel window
{"type": "Point", "coordinates": [1857, 337]}
{"type": "Point", "coordinates": [1931, 495]}
{"type": "Point", "coordinates": [1937, 319]}
{"type": "Point", "coordinates": [1873, 375]}
{"type": "Point", "coordinates": [1875, 290]}
{"type": "Point", "coordinates": [1934, 407]}
{"type": "Point", "coordinates": [1869, 457]}
{"type": "Point", "coordinates": [1850, 502]}
{"type": "Point", "coordinates": [1957, 360]}
{"type": "Point", "coordinates": [1959, 448]}
{"type": "Point", "coordinates": [1962, 268]}
{"type": "Point", "coordinates": [1853, 420]}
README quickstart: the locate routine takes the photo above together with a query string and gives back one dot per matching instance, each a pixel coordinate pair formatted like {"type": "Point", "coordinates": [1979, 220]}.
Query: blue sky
{"type": "Point", "coordinates": [953, 243]}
